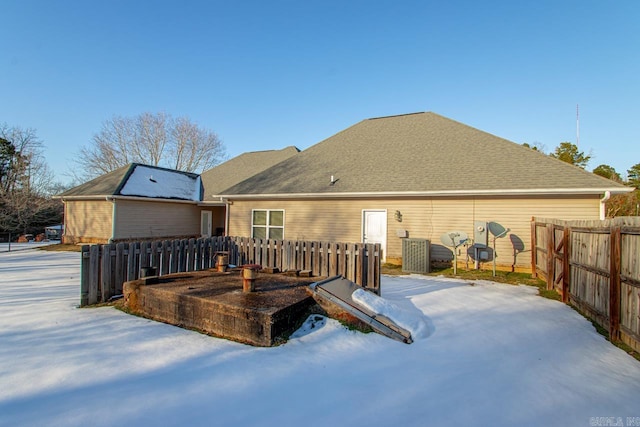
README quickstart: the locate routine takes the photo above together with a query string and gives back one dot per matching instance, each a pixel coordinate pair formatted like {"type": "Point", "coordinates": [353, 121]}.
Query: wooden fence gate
{"type": "Point", "coordinates": [594, 266]}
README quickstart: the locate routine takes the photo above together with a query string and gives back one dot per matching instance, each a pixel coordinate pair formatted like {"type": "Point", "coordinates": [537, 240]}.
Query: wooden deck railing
{"type": "Point", "coordinates": [106, 267]}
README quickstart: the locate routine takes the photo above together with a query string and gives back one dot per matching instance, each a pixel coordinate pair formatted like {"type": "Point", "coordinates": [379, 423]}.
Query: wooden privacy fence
{"type": "Point", "coordinates": [595, 266]}
{"type": "Point", "coordinates": [106, 267]}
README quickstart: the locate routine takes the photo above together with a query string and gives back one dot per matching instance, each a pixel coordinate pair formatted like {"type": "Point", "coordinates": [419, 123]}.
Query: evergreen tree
{"type": "Point", "coordinates": [568, 152]}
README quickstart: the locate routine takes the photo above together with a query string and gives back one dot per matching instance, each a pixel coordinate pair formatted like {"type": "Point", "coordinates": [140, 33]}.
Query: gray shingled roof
{"type": "Point", "coordinates": [239, 168]}
{"type": "Point", "coordinates": [132, 180]}
{"type": "Point", "coordinates": [108, 184]}
{"type": "Point", "coordinates": [420, 153]}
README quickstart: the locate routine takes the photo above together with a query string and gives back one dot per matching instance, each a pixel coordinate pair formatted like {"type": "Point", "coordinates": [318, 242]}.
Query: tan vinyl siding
{"type": "Point", "coordinates": [431, 218]}
{"type": "Point", "coordinates": [150, 220]}
{"type": "Point", "coordinates": [341, 220]}
{"type": "Point", "coordinates": [88, 221]}
{"type": "Point", "coordinates": [338, 221]}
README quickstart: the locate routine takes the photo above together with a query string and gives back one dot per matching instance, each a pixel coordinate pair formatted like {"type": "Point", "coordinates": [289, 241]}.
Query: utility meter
{"type": "Point", "coordinates": [480, 234]}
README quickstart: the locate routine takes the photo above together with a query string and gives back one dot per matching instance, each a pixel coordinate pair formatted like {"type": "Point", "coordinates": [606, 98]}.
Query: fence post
{"type": "Point", "coordinates": [94, 273]}
{"type": "Point", "coordinates": [106, 278]}
{"type": "Point", "coordinates": [551, 258]}
{"type": "Point", "coordinates": [566, 264]}
{"type": "Point", "coordinates": [534, 249]}
{"type": "Point", "coordinates": [85, 268]}
{"type": "Point", "coordinates": [614, 284]}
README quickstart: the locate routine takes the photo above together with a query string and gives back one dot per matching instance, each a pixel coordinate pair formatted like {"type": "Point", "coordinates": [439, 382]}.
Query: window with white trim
{"type": "Point", "coordinates": [267, 224]}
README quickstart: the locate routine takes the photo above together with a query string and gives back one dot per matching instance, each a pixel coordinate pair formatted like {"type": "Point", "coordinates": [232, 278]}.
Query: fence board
{"type": "Point", "coordinates": [182, 256]}
{"type": "Point", "coordinates": [145, 260]}
{"type": "Point", "coordinates": [600, 270]}
{"type": "Point", "coordinates": [105, 268]}
{"type": "Point", "coordinates": [105, 277]}
{"type": "Point", "coordinates": [342, 258]}
{"type": "Point", "coordinates": [133, 261]}
{"type": "Point", "coordinates": [614, 285]}
{"type": "Point", "coordinates": [191, 255]}
{"type": "Point", "coordinates": [120, 268]}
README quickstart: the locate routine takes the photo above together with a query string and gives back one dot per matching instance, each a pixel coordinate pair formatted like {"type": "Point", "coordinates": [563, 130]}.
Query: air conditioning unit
{"type": "Point", "coordinates": [416, 257]}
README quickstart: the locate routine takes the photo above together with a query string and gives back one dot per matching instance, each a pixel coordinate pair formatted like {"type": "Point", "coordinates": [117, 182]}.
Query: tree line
{"type": "Point", "coordinates": [619, 204]}
{"type": "Point", "coordinates": [26, 184]}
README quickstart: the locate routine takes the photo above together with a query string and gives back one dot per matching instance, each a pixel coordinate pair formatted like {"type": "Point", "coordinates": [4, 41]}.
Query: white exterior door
{"type": "Point", "coordinates": [205, 223]}
{"type": "Point", "coordinates": [374, 228]}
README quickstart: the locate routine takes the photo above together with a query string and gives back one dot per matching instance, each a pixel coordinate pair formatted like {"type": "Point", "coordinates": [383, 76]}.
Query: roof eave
{"type": "Point", "coordinates": [443, 193]}
{"type": "Point", "coordinates": [118, 197]}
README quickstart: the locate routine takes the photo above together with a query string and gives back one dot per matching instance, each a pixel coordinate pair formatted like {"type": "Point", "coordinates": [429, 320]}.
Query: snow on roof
{"type": "Point", "coordinates": [147, 181]}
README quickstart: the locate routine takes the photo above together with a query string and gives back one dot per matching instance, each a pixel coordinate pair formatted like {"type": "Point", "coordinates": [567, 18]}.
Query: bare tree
{"type": "Point", "coordinates": [26, 183]}
{"type": "Point", "coordinates": [29, 169]}
{"type": "Point", "coordinates": [191, 146]}
{"type": "Point", "coordinates": [154, 139]}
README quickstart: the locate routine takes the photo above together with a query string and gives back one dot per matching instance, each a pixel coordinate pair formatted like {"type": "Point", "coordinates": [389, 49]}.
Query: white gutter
{"type": "Point", "coordinates": [603, 201]}
{"type": "Point", "coordinates": [133, 198]}
{"type": "Point", "coordinates": [211, 203]}
{"type": "Point", "coordinates": [449, 193]}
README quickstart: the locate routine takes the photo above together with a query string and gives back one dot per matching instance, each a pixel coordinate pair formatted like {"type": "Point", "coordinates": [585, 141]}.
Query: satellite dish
{"type": "Point", "coordinates": [497, 230]}
{"type": "Point", "coordinates": [454, 239]}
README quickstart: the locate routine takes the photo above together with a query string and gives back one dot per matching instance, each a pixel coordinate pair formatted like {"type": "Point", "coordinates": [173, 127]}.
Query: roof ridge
{"type": "Point", "coordinates": [270, 150]}
{"type": "Point", "coordinates": [397, 115]}
{"type": "Point", "coordinates": [125, 178]}
{"type": "Point", "coordinates": [191, 174]}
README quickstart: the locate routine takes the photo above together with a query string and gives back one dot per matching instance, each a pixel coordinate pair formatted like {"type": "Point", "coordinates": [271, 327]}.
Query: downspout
{"type": "Point", "coordinates": [227, 203]}
{"type": "Point", "coordinates": [113, 219]}
{"type": "Point", "coordinates": [603, 201]}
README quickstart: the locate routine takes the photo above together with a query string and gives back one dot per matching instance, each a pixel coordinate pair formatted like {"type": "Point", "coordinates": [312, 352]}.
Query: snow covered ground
{"type": "Point", "coordinates": [494, 355]}
{"type": "Point", "coordinates": [4, 247]}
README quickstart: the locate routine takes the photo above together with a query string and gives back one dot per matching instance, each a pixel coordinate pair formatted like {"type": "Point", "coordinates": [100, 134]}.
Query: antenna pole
{"type": "Point", "coordinates": [577, 125]}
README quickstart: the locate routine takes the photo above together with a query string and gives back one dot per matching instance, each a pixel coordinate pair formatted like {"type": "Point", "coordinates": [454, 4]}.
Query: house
{"type": "Point", "coordinates": [381, 180]}
{"type": "Point", "coordinates": [139, 201]}
{"type": "Point", "coordinates": [133, 202]}
{"type": "Point", "coordinates": [415, 176]}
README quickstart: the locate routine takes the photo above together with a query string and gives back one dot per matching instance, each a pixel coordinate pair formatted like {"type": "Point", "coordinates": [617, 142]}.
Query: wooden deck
{"type": "Point", "coordinates": [214, 303]}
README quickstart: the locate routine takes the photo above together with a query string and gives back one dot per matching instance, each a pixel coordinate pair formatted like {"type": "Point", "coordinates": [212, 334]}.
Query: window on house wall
{"type": "Point", "coordinates": [267, 224]}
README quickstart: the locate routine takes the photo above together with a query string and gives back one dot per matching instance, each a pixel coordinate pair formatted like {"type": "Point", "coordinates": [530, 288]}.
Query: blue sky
{"type": "Point", "coordinates": [265, 75]}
